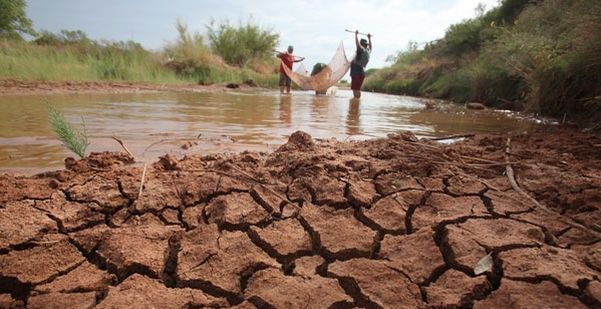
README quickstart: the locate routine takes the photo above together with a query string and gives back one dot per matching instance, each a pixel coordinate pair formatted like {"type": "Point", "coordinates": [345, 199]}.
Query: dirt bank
{"type": "Point", "coordinates": [24, 87]}
{"type": "Point", "coordinates": [386, 223]}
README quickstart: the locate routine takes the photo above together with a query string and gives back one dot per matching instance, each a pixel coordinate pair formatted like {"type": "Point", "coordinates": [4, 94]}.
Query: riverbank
{"type": "Point", "coordinates": [317, 223]}
{"type": "Point", "coordinates": [33, 87]}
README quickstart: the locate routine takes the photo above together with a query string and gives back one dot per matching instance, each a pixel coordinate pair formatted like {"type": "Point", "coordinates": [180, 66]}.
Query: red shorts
{"type": "Point", "coordinates": [357, 82]}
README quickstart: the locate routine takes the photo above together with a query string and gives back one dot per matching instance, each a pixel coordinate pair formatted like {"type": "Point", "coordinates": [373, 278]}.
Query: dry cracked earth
{"type": "Point", "coordinates": [386, 223]}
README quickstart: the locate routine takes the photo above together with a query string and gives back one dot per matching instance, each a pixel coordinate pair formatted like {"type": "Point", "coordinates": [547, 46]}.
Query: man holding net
{"type": "Point", "coordinates": [287, 59]}
{"type": "Point", "coordinates": [359, 63]}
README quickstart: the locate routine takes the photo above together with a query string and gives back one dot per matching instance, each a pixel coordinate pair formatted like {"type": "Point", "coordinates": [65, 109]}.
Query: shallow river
{"type": "Point", "coordinates": [156, 123]}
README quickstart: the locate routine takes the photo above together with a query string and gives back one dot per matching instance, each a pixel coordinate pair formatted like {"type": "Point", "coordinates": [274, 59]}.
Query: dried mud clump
{"type": "Point", "coordinates": [385, 223]}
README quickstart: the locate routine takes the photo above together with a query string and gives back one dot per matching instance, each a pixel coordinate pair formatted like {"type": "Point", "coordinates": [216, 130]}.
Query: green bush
{"type": "Point", "coordinates": [239, 45]}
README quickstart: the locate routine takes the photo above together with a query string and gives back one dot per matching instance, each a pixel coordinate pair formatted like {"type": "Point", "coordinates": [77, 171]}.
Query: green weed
{"type": "Point", "coordinates": [73, 139]}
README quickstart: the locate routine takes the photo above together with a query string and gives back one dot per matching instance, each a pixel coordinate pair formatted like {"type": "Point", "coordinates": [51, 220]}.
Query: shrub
{"type": "Point", "coordinates": [239, 45]}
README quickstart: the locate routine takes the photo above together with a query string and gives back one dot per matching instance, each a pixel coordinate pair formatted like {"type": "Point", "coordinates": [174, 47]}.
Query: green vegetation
{"type": "Point", "coordinates": [238, 46]}
{"type": "Point", "coordinates": [542, 56]}
{"type": "Point", "coordinates": [13, 21]}
{"type": "Point", "coordinates": [235, 55]}
{"type": "Point", "coordinates": [74, 140]}
{"type": "Point", "coordinates": [190, 58]}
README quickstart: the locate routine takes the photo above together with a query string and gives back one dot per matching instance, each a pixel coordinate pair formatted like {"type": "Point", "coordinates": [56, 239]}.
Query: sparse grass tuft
{"type": "Point", "coordinates": [74, 140]}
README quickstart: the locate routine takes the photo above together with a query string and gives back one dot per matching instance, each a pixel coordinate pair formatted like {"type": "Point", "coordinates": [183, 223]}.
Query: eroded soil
{"type": "Point", "coordinates": [386, 223]}
{"type": "Point", "coordinates": [39, 87]}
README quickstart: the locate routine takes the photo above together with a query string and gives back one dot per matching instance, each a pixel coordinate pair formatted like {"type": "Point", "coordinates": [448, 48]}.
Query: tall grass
{"type": "Point", "coordinates": [22, 60]}
{"type": "Point", "coordinates": [73, 139]}
{"type": "Point", "coordinates": [192, 59]}
{"type": "Point", "coordinates": [71, 55]}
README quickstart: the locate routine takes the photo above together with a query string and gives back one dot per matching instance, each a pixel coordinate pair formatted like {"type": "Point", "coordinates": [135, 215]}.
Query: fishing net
{"type": "Point", "coordinates": [327, 77]}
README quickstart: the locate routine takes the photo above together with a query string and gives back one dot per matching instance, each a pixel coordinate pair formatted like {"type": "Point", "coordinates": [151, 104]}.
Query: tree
{"type": "Point", "coordinates": [13, 21]}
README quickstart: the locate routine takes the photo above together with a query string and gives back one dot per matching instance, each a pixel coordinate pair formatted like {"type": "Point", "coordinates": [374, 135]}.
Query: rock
{"type": "Point", "coordinates": [442, 207]}
{"type": "Point", "coordinates": [235, 209]}
{"type": "Point", "coordinates": [455, 289]}
{"type": "Point", "coordinates": [86, 277]}
{"type": "Point", "coordinates": [514, 294]}
{"type": "Point", "coordinates": [41, 263]}
{"type": "Point", "coordinates": [220, 259]}
{"type": "Point", "coordinates": [382, 285]}
{"type": "Point", "coordinates": [62, 300]}
{"type": "Point", "coordinates": [388, 214]}
{"type": "Point", "coordinates": [138, 291]}
{"type": "Point", "coordinates": [21, 222]}
{"type": "Point", "coordinates": [141, 249]}
{"type": "Point", "coordinates": [416, 255]}
{"type": "Point", "coordinates": [468, 240]}
{"type": "Point", "coordinates": [339, 233]}
{"type": "Point", "coordinates": [561, 264]}
{"type": "Point", "coordinates": [271, 288]}
{"type": "Point", "coordinates": [285, 238]}
{"type": "Point", "coordinates": [473, 105]}
{"type": "Point", "coordinates": [306, 266]}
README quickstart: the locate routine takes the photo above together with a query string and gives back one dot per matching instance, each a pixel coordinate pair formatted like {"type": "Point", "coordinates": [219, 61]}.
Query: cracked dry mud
{"type": "Point", "coordinates": [385, 223]}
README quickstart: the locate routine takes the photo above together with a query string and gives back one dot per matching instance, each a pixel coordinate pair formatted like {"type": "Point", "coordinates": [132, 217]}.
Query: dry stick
{"type": "Point", "coordinates": [442, 138]}
{"type": "Point", "coordinates": [123, 145]}
{"type": "Point", "coordinates": [516, 187]}
{"type": "Point", "coordinates": [142, 181]}
{"type": "Point", "coordinates": [131, 155]}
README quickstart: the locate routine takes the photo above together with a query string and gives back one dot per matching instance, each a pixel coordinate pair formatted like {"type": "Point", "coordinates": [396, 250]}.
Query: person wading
{"type": "Point", "coordinates": [359, 63]}
{"type": "Point", "coordinates": [287, 59]}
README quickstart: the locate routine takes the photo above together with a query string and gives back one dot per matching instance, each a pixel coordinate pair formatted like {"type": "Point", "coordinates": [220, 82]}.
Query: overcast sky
{"type": "Point", "coordinates": [315, 28]}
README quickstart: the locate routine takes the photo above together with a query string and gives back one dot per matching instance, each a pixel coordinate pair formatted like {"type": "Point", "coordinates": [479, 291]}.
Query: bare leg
{"type": "Point", "coordinates": [287, 89]}
{"type": "Point", "coordinates": [281, 89]}
{"type": "Point", "coordinates": [356, 94]}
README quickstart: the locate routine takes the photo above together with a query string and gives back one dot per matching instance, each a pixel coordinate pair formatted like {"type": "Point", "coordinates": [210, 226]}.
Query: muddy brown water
{"type": "Point", "coordinates": [153, 124]}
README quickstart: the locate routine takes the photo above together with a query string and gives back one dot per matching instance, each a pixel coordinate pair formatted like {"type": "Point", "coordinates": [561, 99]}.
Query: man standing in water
{"type": "Point", "coordinates": [287, 59]}
{"type": "Point", "coordinates": [359, 63]}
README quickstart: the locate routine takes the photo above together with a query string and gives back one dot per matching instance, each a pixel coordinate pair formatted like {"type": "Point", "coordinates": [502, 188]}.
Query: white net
{"type": "Point", "coordinates": [323, 80]}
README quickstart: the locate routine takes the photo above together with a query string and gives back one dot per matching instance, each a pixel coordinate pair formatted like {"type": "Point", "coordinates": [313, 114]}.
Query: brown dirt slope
{"type": "Point", "coordinates": [386, 223]}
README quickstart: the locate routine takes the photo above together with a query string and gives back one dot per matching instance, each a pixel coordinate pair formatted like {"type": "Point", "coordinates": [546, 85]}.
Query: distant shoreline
{"type": "Point", "coordinates": [39, 87]}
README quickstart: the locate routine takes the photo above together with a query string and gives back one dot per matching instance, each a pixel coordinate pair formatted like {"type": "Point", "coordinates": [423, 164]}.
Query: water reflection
{"type": "Point", "coordinates": [353, 123]}
{"type": "Point", "coordinates": [286, 110]}
{"type": "Point", "coordinates": [222, 121]}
